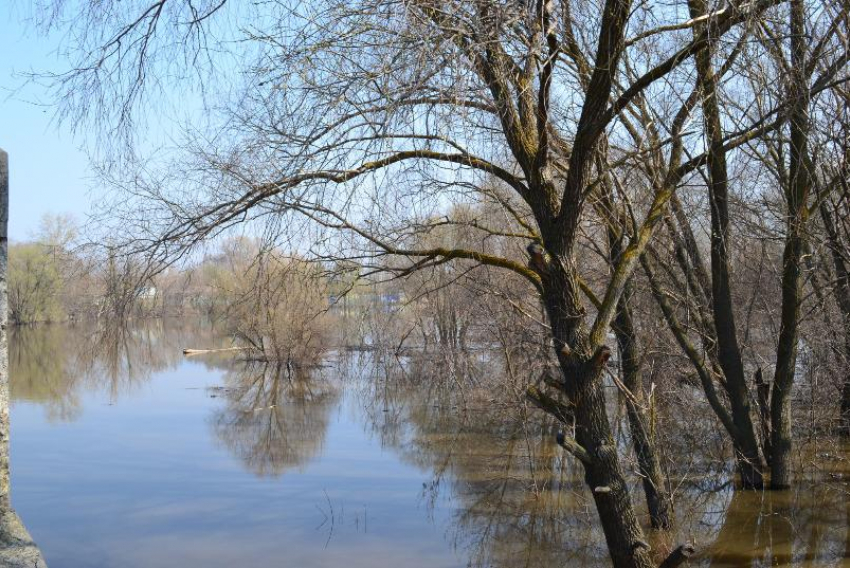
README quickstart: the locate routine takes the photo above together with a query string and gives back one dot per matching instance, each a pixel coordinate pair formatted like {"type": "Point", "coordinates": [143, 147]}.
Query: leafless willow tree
{"type": "Point", "coordinates": [830, 276]}
{"type": "Point", "coordinates": [795, 59]}
{"type": "Point", "coordinates": [356, 126]}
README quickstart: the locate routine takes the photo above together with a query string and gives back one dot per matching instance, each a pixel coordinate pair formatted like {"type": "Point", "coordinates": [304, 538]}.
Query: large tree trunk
{"type": "Point", "coordinates": [728, 350]}
{"type": "Point", "coordinates": [786, 361]}
{"type": "Point", "coordinates": [796, 197]}
{"type": "Point", "coordinates": [582, 376]}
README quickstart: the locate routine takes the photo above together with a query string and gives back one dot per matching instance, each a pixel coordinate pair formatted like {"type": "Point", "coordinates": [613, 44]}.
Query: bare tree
{"type": "Point", "coordinates": [786, 153]}
{"type": "Point", "coordinates": [830, 276]}
{"type": "Point", "coordinates": [360, 121]}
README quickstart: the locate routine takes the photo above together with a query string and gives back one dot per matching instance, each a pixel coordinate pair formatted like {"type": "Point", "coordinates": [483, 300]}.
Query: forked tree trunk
{"type": "Point", "coordinates": [603, 474]}
{"type": "Point", "coordinates": [796, 198]}
{"type": "Point", "coordinates": [582, 375]}
{"type": "Point", "coordinates": [728, 350]}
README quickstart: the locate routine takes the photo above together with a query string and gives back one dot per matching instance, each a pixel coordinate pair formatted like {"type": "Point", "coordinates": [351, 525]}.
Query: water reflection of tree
{"type": "Point", "coordinates": [464, 421]}
{"type": "Point", "coordinates": [41, 370]}
{"type": "Point", "coordinates": [275, 416]}
{"type": "Point", "coordinates": [518, 503]}
{"type": "Point", "coordinates": [54, 364]}
{"type": "Point", "coordinates": [806, 526]}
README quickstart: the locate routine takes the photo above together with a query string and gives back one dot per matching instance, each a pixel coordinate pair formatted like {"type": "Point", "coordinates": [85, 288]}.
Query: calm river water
{"type": "Point", "coordinates": [127, 454]}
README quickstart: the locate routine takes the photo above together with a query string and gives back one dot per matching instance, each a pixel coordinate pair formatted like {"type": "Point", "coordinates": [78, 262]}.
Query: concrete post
{"type": "Point", "coordinates": [5, 504]}
{"type": "Point", "coordinates": [17, 549]}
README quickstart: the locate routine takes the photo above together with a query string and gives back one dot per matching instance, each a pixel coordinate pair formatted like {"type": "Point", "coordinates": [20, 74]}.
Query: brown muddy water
{"type": "Point", "coordinates": [127, 454]}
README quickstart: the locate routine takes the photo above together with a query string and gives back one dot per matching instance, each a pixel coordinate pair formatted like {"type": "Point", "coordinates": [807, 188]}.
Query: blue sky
{"type": "Point", "coordinates": [49, 171]}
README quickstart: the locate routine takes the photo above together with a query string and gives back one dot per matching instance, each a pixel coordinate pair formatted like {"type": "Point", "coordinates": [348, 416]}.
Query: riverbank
{"type": "Point", "coordinates": [17, 549]}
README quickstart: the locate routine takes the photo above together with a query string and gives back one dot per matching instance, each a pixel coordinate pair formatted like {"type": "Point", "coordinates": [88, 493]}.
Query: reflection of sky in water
{"type": "Point", "coordinates": [142, 483]}
{"type": "Point", "coordinates": [125, 456]}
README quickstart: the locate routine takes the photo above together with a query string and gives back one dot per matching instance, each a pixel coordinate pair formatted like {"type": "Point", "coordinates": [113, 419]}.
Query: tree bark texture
{"type": "Point", "coordinates": [582, 375]}
{"type": "Point", "coordinates": [728, 350]}
{"type": "Point", "coordinates": [796, 197]}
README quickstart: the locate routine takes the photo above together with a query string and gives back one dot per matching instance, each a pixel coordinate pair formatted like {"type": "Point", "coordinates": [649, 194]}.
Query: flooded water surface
{"type": "Point", "coordinates": [127, 453]}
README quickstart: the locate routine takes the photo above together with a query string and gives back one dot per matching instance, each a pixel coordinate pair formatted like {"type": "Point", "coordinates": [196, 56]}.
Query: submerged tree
{"type": "Point", "coordinates": [273, 304]}
{"type": "Point", "coordinates": [831, 267]}
{"type": "Point", "coordinates": [773, 200]}
{"type": "Point", "coordinates": [356, 125]}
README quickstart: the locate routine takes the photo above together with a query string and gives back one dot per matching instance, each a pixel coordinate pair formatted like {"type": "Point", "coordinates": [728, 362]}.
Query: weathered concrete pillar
{"type": "Point", "coordinates": [5, 504]}
{"type": "Point", "coordinates": [17, 549]}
